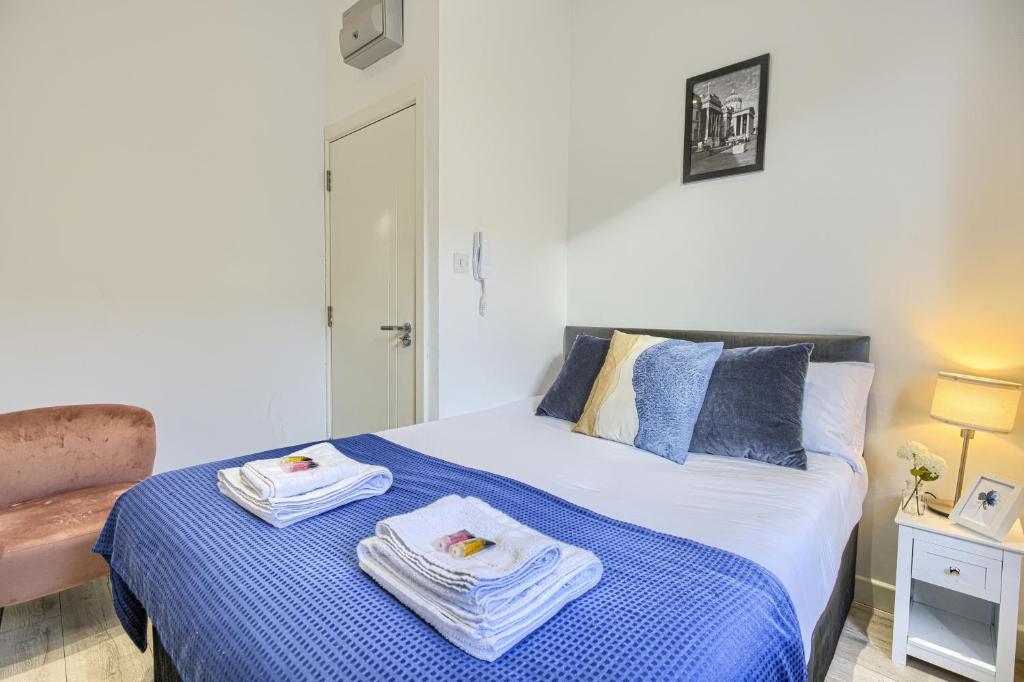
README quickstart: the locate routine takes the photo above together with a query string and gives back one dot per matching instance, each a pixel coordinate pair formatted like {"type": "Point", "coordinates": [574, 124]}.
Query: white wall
{"type": "Point", "coordinates": [890, 205]}
{"type": "Point", "coordinates": [161, 221]}
{"type": "Point", "coordinates": [504, 110]}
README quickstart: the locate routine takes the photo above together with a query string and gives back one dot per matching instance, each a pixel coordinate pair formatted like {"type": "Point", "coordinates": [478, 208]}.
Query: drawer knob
{"type": "Point", "coordinates": [953, 571]}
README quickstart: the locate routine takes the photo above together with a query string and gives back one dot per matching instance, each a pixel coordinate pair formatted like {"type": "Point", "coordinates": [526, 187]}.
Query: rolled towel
{"type": "Point", "coordinates": [520, 555]}
{"type": "Point", "coordinates": [485, 636]}
{"type": "Point", "coordinates": [269, 480]}
{"type": "Point", "coordinates": [280, 512]}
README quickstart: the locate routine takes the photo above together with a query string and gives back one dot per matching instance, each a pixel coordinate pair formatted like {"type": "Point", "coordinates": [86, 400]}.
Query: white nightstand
{"type": "Point", "coordinates": [957, 594]}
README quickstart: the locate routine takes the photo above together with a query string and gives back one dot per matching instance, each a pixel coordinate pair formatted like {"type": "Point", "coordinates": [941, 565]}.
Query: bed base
{"type": "Point", "coordinates": [826, 633]}
{"type": "Point", "coordinates": [823, 640]}
{"type": "Point", "coordinates": [163, 666]}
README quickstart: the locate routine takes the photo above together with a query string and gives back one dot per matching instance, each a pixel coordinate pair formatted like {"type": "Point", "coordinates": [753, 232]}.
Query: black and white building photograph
{"type": "Point", "coordinates": [725, 120]}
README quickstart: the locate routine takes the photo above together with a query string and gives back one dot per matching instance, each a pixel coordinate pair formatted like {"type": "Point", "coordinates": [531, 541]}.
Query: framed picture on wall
{"type": "Point", "coordinates": [724, 129]}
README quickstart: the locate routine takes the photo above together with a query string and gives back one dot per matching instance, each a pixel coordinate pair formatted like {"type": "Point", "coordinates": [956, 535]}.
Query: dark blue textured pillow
{"type": "Point", "coordinates": [753, 406]}
{"type": "Point", "coordinates": [568, 395]}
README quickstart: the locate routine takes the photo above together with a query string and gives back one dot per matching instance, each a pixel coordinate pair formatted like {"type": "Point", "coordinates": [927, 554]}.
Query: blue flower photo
{"type": "Point", "coordinates": [988, 499]}
{"type": "Point", "coordinates": [988, 502]}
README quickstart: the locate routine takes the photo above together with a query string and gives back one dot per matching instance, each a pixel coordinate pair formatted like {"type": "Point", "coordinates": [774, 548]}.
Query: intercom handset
{"type": "Point", "coordinates": [481, 271]}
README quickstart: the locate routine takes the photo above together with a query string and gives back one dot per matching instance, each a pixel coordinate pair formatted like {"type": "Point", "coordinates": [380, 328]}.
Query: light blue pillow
{"type": "Point", "coordinates": [670, 380]}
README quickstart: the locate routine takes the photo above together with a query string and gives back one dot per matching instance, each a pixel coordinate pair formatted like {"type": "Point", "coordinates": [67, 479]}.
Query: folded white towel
{"type": "Point", "coordinates": [269, 480]}
{"type": "Point", "coordinates": [489, 635]}
{"type": "Point", "coordinates": [284, 511]}
{"type": "Point", "coordinates": [520, 555]}
{"type": "Point", "coordinates": [497, 611]}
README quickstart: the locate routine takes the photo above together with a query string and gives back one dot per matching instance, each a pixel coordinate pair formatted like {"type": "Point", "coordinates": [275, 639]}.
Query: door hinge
{"type": "Point", "coordinates": [327, 180]}
{"type": "Point", "coordinates": [330, 316]}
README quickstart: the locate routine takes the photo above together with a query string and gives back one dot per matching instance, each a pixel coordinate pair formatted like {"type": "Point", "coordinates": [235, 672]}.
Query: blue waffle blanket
{"type": "Point", "coordinates": [236, 599]}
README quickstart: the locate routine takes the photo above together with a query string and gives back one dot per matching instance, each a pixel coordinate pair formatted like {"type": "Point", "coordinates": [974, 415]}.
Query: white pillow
{"type": "Point", "coordinates": [835, 409]}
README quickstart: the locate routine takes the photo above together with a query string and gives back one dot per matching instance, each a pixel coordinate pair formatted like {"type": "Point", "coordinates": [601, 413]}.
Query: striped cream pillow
{"type": "Point", "coordinates": [649, 393]}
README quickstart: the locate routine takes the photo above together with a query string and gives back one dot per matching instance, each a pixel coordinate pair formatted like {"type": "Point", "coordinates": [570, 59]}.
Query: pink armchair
{"type": "Point", "coordinates": [61, 470]}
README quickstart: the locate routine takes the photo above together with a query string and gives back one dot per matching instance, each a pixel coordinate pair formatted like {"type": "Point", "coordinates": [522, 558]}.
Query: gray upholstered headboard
{"type": "Point", "coordinates": [827, 347]}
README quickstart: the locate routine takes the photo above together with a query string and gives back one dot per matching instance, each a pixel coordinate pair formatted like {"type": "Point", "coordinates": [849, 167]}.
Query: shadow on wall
{"type": "Point", "coordinates": [644, 106]}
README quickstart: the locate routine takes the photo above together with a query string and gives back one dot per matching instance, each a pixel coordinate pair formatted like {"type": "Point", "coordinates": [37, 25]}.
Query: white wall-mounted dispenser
{"type": "Point", "coordinates": [370, 30]}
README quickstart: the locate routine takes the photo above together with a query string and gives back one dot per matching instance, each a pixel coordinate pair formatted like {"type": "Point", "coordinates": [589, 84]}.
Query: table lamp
{"type": "Point", "coordinates": [972, 403]}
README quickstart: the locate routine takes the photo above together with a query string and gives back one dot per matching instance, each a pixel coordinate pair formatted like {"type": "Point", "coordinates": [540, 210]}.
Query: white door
{"type": "Point", "coordinates": [373, 276]}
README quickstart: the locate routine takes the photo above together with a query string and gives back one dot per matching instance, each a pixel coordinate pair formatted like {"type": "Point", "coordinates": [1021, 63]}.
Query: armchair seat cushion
{"type": "Point", "coordinates": [45, 543]}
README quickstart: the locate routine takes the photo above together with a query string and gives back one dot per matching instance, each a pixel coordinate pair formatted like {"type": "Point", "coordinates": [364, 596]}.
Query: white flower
{"type": "Point", "coordinates": [920, 456]}
{"type": "Point", "coordinates": [912, 449]}
{"type": "Point", "coordinates": [933, 463]}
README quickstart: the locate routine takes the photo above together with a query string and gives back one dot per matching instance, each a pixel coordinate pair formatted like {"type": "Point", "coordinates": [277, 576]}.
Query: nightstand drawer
{"type": "Point", "coordinates": [963, 572]}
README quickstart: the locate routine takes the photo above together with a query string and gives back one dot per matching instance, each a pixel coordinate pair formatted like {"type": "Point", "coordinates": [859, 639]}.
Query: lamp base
{"type": "Point", "coordinates": [944, 507]}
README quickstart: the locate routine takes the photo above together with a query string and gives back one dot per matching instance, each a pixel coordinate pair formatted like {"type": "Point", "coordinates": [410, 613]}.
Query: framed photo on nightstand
{"type": "Point", "coordinates": [991, 506]}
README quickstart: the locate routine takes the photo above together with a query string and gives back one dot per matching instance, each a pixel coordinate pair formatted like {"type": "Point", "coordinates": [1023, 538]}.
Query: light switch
{"type": "Point", "coordinates": [461, 263]}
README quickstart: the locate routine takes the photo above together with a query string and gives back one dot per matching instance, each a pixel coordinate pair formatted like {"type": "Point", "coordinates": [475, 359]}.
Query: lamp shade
{"type": "Point", "coordinates": [975, 403]}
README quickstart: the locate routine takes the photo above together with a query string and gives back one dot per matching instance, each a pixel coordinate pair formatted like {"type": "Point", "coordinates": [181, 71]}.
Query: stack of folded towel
{"type": "Point", "coordinates": [281, 497]}
{"type": "Point", "coordinates": [487, 602]}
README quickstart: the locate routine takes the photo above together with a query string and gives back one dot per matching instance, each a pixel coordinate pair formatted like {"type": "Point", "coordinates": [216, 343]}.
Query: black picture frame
{"type": "Point", "coordinates": [704, 145]}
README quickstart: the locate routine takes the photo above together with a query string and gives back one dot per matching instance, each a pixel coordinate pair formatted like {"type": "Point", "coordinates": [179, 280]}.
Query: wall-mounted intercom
{"type": "Point", "coordinates": [481, 270]}
{"type": "Point", "coordinates": [370, 30]}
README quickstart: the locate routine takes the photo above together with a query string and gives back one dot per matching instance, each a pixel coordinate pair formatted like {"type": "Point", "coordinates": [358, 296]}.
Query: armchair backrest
{"type": "Point", "coordinates": [53, 450]}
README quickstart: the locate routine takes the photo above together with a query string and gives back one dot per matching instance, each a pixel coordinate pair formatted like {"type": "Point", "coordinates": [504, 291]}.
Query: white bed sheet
{"type": "Point", "coordinates": [794, 523]}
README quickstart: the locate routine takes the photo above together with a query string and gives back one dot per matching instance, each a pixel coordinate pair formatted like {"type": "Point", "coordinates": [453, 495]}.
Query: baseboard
{"type": "Point", "coordinates": [874, 593]}
{"type": "Point", "coordinates": [881, 596]}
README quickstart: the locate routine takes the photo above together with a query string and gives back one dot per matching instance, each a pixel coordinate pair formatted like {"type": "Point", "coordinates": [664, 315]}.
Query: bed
{"type": "Point", "coordinates": [800, 526]}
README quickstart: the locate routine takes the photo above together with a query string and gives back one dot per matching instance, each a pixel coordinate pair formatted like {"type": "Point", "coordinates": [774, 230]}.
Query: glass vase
{"type": "Point", "coordinates": [913, 498]}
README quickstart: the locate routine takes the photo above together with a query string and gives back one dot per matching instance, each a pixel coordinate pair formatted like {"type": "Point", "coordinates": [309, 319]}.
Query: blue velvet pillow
{"type": "Point", "coordinates": [567, 396]}
{"type": "Point", "coordinates": [753, 405]}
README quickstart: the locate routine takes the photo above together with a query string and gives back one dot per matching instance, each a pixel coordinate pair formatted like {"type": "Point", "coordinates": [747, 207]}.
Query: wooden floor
{"type": "Point", "coordinates": [71, 636]}
{"type": "Point", "coordinates": [75, 636]}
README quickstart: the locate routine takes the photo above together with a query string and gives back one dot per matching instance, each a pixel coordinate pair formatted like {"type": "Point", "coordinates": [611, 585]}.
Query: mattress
{"type": "Point", "coordinates": [793, 523]}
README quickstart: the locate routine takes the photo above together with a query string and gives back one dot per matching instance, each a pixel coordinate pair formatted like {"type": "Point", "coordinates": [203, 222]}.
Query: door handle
{"type": "Point", "coordinates": [405, 328]}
